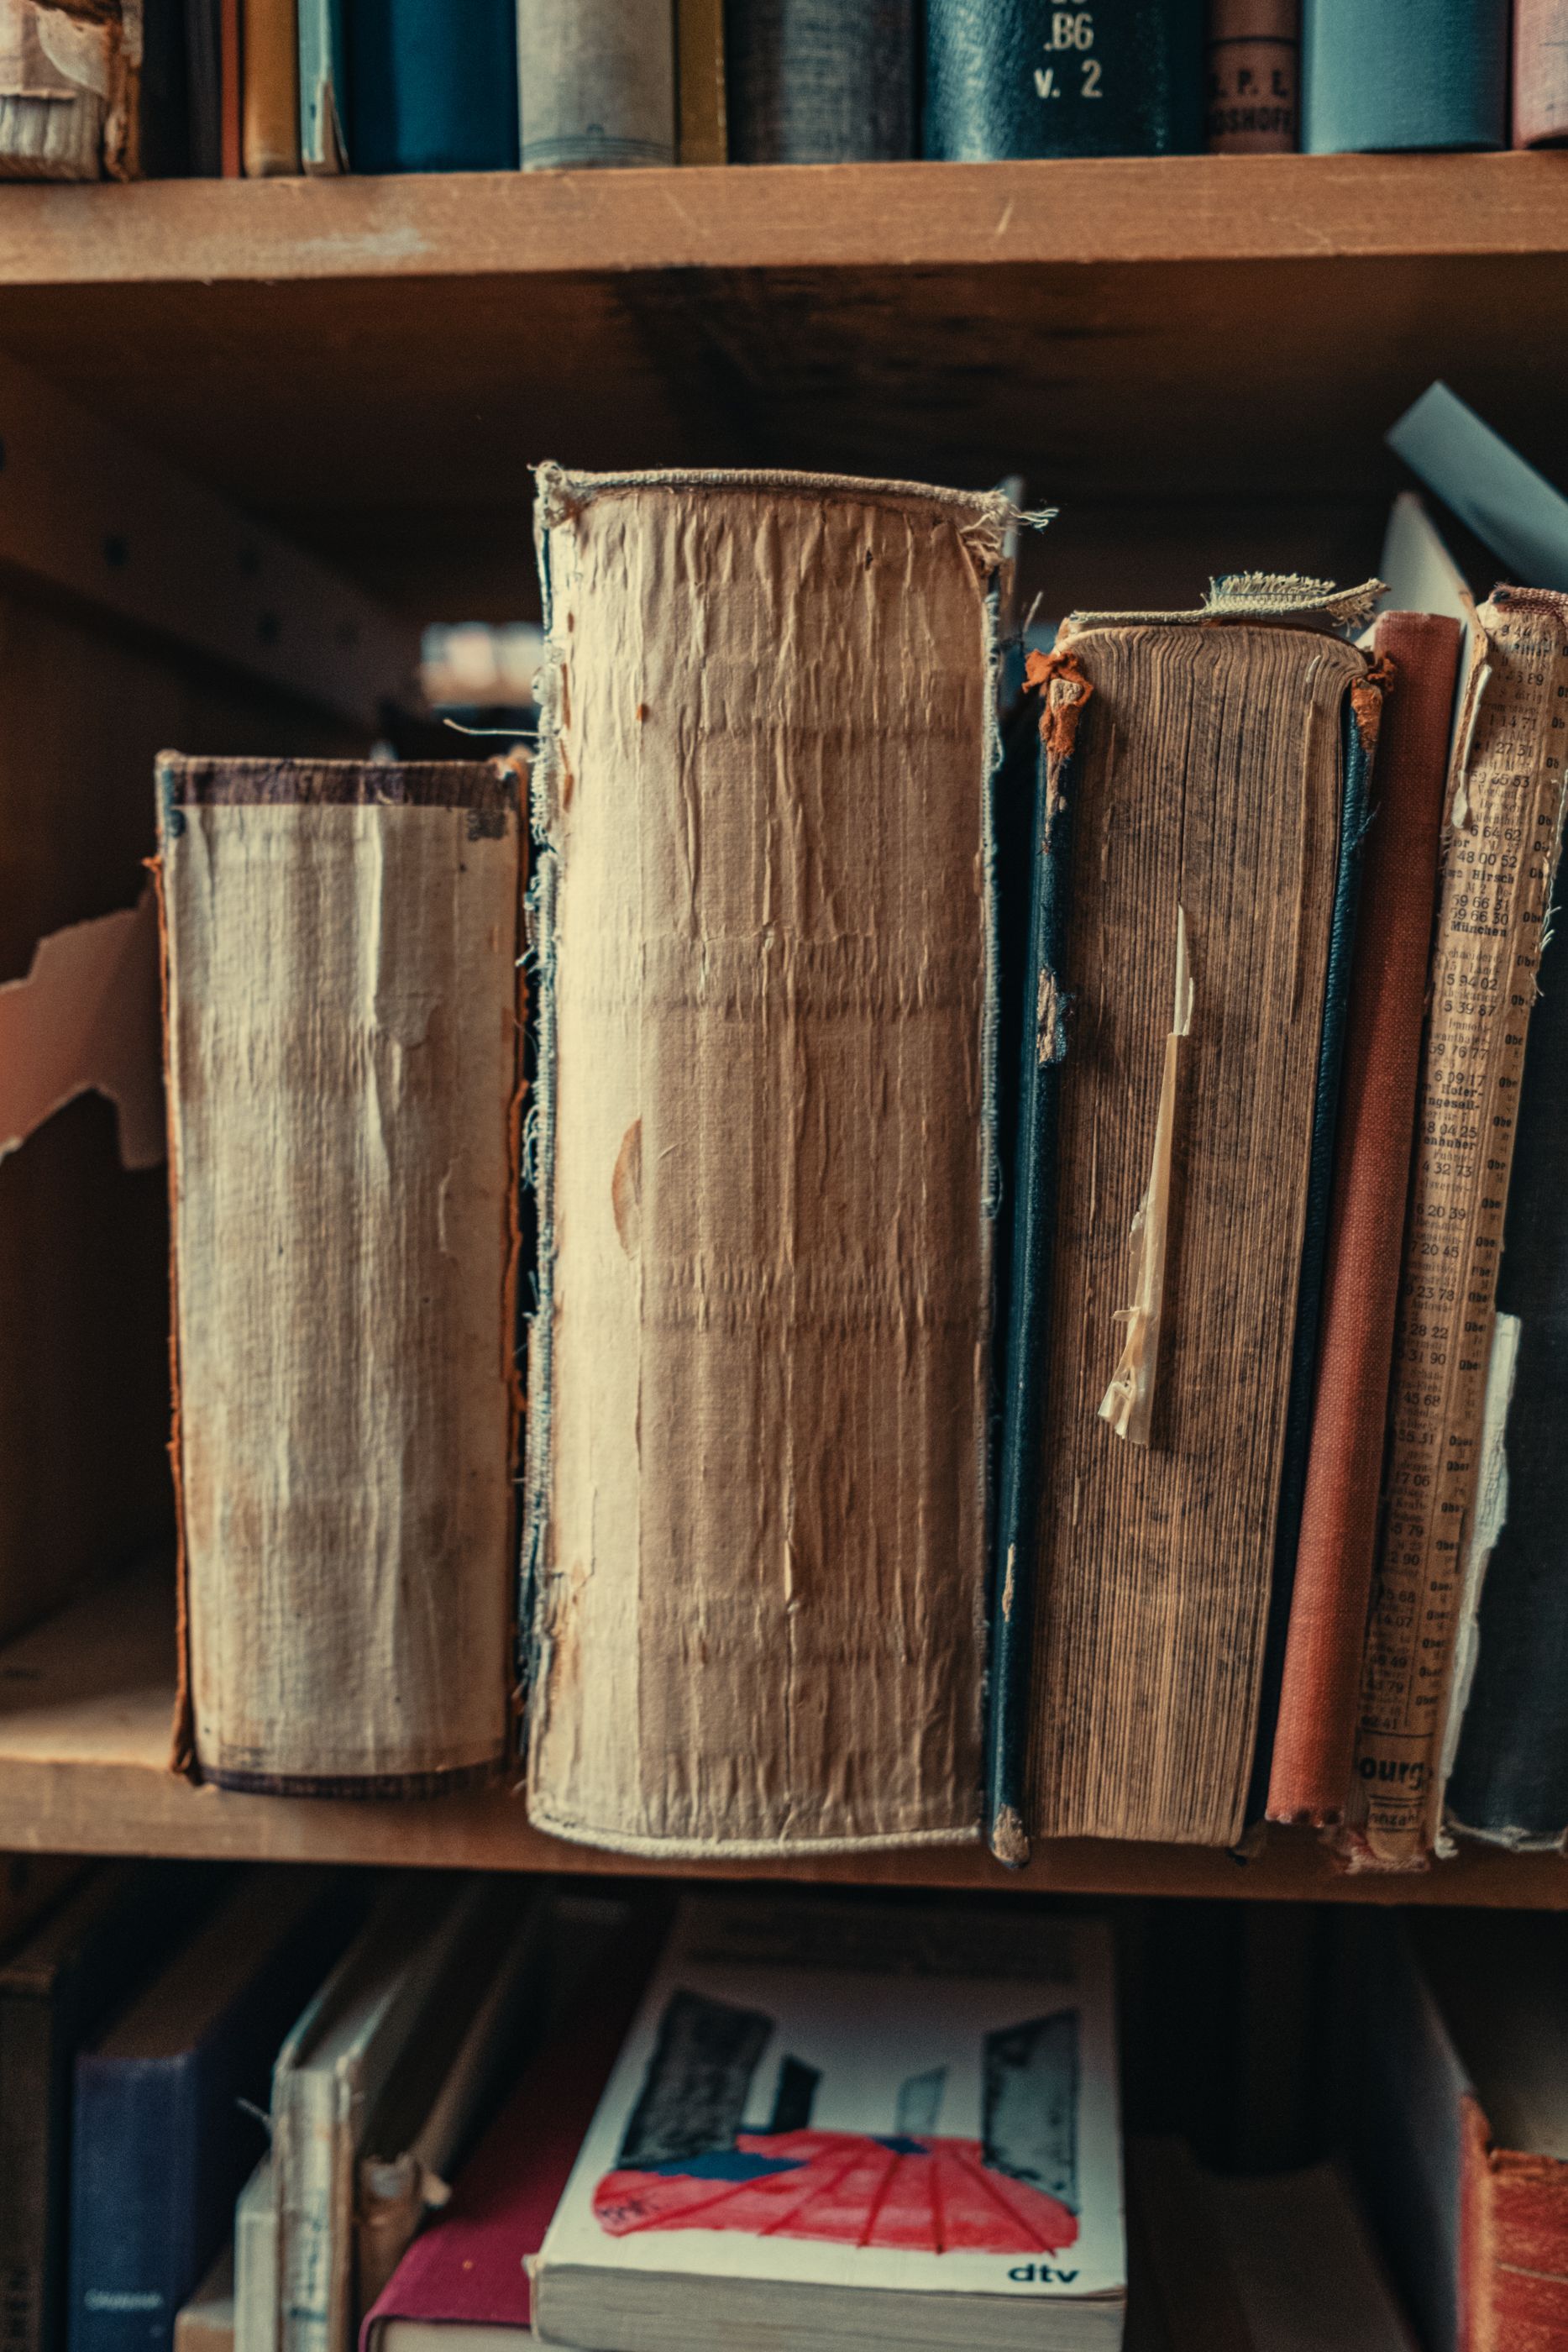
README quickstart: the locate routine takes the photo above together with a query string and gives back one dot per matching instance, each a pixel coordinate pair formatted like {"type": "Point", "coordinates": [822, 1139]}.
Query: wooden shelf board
{"type": "Point", "coordinates": [86, 1702]}
{"type": "Point", "coordinates": [375, 364]}
{"type": "Point", "coordinates": [866, 215]}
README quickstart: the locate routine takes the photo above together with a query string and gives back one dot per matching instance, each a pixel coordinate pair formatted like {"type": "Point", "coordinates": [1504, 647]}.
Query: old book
{"type": "Point", "coordinates": [363, 2064]}
{"type": "Point", "coordinates": [1521, 516]}
{"type": "Point", "coordinates": [1020, 77]}
{"type": "Point", "coordinates": [269, 84]}
{"type": "Point", "coordinates": [767, 1173]}
{"type": "Point", "coordinates": [899, 2127]}
{"type": "Point", "coordinates": [1192, 1117]}
{"type": "Point", "coordinates": [1540, 73]}
{"type": "Point", "coordinates": [323, 84]}
{"type": "Point", "coordinates": [255, 2263]}
{"type": "Point", "coordinates": [203, 68]}
{"type": "Point", "coordinates": [205, 2320]}
{"type": "Point", "coordinates": [231, 94]}
{"type": "Point", "coordinates": [1502, 843]}
{"type": "Point", "coordinates": [71, 90]}
{"type": "Point", "coordinates": [426, 2125]}
{"type": "Point", "coordinates": [597, 79]}
{"type": "Point", "coordinates": [1254, 76]}
{"type": "Point", "coordinates": [341, 990]}
{"type": "Point", "coordinates": [1456, 2112]}
{"type": "Point", "coordinates": [1405, 73]}
{"type": "Point", "coordinates": [1509, 1781]}
{"type": "Point", "coordinates": [703, 133]}
{"type": "Point", "coordinates": [1314, 1737]}
{"type": "Point", "coordinates": [431, 92]}
{"type": "Point", "coordinates": [463, 2285]}
{"type": "Point", "coordinates": [167, 2104]}
{"type": "Point", "coordinates": [1282, 2261]}
{"type": "Point", "coordinates": [57, 1986]}
{"type": "Point", "coordinates": [813, 83]}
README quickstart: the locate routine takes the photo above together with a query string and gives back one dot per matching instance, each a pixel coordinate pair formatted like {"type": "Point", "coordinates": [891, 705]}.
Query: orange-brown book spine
{"type": "Point", "coordinates": [1513, 2244]}
{"type": "Point", "coordinates": [1254, 78]}
{"type": "Point", "coordinates": [1541, 73]}
{"type": "Point", "coordinates": [1315, 1734]}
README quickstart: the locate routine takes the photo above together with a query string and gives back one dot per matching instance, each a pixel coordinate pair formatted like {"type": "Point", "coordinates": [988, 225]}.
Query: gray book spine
{"type": "Point", "coordinates": [597, 83]}
{"type": "Point", "coordinates": [818, 81]}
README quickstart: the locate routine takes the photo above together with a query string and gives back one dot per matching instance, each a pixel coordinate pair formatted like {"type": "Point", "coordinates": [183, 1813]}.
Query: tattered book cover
{"type": "Point", "coordinates": [871, 2098]}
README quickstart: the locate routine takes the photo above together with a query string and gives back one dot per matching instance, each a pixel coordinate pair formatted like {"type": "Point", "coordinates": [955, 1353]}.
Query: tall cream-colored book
{"type": "Point", "coordinates": [341, 974]}
{"type": "Point", "coordinates": [768, 1181]}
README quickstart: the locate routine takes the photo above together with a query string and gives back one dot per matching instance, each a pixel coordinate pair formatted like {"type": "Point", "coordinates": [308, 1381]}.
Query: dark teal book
{"type": "Point", "coordinates": [813, 82]}
{"type": "Point", "coordinates": [1015, 78]}
{"type": "Point", "coordinates": [1387, 74]}
{"type": "Point", "coordinates": [431, 87]}
{"type": "Point", "coordinates": [169, 2105]}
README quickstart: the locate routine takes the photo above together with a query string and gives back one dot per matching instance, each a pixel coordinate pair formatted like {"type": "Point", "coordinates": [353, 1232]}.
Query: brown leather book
{"type": "Point", "coordinates": [269, 31]}
{"type": "Point", "coordinates": [1316, 1728]}
{"type": "Point", "coordinates": [1254, 78]}
{"type": "Point", "coordinates": [701, 129]}
{"type": "Point", "coordinates": [230, 89]}
{"type": "Point", "coordinates": [1540, 73]}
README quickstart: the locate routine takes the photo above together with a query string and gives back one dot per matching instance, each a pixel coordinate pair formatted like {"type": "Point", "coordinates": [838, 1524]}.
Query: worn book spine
{"type": "Point", "coordinates": [813, 83]}
{"type": "Point", "coordinates": [1540, 73]}
{"type": "Point", "coordinates": [323, 86]}
{"type": "Point", "coordinates": [1193, 1121]}
{"type": "Point", "coordinates": [1502, 843]}
{"type": "Point", "coordinates": [71, 90]}
{"type": "Point", "coordinates": [1315, 1732]}
{"type": "Point", "coordinates": [429, 92]}
{"type": "Point", "coordinates": [598, 82]}
{"type": "Point", "coordinates": [231, 53]}
{"type": "Point", "coordinates": [269, 81]}
{"type": "Point", "coordinates": [1510, 1778]}
{"type": "Point", "coordinates": [1403, 74]}
{"type": "Point", "coordinates": [133, 2256]}
{"type": "Point", "coordinates": [757, 1429]}
{"type": "Point", "coordinates": [1014, 78]}
{"type": "Point", "coordinates": [203, 66]}
{"type": "Point", "coordinates": [342, 1044]}
{"type": "Point", "coordinates": [704, 136]}
{"type": "Point", "coordinates": [1254, 76]}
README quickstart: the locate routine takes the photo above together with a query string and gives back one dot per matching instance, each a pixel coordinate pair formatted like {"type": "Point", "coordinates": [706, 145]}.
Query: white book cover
{"type": "Point", "coordinates": [861, 2096]}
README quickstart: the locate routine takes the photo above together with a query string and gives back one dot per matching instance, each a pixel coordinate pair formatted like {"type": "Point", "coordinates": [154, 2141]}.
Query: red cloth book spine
{"type": "Point", "coordinates": [1315, 1736]}
{"type": "Point", "coordinates": [1513, 2245]}
{"type": "Point", "coordinates": [1540, 73]}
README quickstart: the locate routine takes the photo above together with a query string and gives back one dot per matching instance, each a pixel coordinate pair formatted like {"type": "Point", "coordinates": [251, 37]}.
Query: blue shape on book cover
{"type": "Point", "coordinates": [1015, 78]}
{"type": "Point", "coordinates": [1381, 75]}
{"type": "Point", "coordinates": [433, 88]}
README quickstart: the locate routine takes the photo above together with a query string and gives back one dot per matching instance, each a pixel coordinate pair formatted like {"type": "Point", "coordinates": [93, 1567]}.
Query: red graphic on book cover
{"type": "Point", "coordinates": [851, 2188]}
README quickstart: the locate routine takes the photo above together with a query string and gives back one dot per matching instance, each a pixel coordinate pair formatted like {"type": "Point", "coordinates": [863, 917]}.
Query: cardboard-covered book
{"type": "Point", "coordinates": [897, 2125]}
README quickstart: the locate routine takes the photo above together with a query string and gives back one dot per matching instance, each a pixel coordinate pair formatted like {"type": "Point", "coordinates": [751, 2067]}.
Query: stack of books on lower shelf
{"type": "Point", "coordinates": [284, 2111]}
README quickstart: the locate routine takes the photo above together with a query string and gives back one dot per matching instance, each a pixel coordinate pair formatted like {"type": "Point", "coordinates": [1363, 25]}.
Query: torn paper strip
{"type": "Point", "coordinates": [86, 1020]}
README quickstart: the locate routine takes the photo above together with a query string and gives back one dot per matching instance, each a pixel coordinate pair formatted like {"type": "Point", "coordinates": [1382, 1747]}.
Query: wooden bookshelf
{"type": "Point", "coordinates": [87, 1704]}
{"type": "Point", "coordinates": [1194, 358]}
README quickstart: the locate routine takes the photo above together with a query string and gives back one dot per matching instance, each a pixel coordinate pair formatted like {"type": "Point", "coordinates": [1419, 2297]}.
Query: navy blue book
{"type": "Point", "coordinates": [1015, 78]}
{"type": "Point", "coordinates": [168, 2106]}
{"type": "Point", "coordinates": [433, 88]}
{"type": "Point", "coordinates": [1387, 74]}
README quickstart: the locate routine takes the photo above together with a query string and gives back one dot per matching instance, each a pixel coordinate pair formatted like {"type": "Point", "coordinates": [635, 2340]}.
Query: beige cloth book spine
{"type": "Point", "coordinates": [1206, 792]}
{"type": "Point", "coordinates": [767, 1165]}
{"type": "Point", "coordinates": [596, 83]}
{"type": "Point", "coordinates": [342, 946]}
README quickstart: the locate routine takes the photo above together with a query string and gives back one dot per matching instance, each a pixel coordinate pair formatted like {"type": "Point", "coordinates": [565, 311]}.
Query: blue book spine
{"type": "Point", "coordinates": [1381, 75]}
{"type": "Point", "coordinates": [134, 2217]}
{"type": "Point", "coordinates": [1016, 77]}
{"type": "Point", "coordinates": [812, 82]}
{"type": "Point", "coordinates": [433, 88]}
